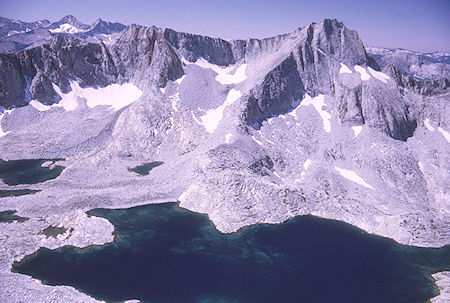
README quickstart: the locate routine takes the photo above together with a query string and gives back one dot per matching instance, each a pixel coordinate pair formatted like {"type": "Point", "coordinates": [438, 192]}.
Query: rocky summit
{"type": "Point", "coordinates": [249, 131]}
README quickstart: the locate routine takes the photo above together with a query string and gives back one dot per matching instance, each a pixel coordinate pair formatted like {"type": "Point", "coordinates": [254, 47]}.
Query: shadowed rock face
{"type": "Point", "coordinates": [276, 94]}
{"type": "Point", "coordinates": [308, 60]}
{"type": "Point", "coordinates": [251, 131]}
{"type": "Point", "coordinates": [193, 47]}
{"type": "Point", "coordinates": [12, 82]}
{"type": "Point", "coordinates": [145, 58]}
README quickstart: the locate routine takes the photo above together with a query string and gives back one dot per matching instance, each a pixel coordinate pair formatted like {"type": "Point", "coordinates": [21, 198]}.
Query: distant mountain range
{"type": "Point", "coordinates": [422, 66]}
{"type": "Point", "coordinates": [17, 35]}
{"type": "Point", "coordinates": [250, 131]}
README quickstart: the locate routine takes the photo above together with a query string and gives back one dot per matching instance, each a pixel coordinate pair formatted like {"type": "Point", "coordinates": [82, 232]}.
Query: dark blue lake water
{"type": "Point", "coordinates": [17, 192]}
{"type": "Point", "coordinates": [163, 253]}
{"type": "Point", "coordinates": [8, 216]}
{"type": "Point", "coordinates": [28, 171]}
{"type": "Point", "coordinates": [145, 168]}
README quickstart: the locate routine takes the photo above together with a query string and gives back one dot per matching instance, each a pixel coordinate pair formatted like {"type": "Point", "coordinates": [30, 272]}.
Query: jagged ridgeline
{"type": "Point", "coordinates": [249, 131]}
{"type": "Point", "coordinates": [291, 65]}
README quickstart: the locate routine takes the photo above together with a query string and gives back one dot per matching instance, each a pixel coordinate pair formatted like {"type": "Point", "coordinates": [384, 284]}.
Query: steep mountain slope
{"type": "Point", "coordinates": [299, 123]}
{"type": "Point", "coordinates": [249, 131]}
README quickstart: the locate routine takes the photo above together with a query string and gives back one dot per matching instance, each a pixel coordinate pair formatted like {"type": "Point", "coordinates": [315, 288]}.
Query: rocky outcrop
{"type": "Point", "coordinates": [12, 82]}
{"type": "Point", "coordinates": [144, 57]}
{"type": "Point", "coordinates": [276, 95]}
{"type": "Point", "coordinates": [427, 87]}
{"type": "Point", "coordinates": [193, 47]}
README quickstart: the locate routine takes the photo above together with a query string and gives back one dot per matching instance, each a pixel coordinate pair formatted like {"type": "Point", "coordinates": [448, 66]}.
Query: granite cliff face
{"type": "Point", "coordinates": [250, 131]}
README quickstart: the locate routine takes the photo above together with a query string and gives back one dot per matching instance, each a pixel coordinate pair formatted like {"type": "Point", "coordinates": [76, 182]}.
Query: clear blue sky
{"type": "Point", "coordinates": [422, 25]}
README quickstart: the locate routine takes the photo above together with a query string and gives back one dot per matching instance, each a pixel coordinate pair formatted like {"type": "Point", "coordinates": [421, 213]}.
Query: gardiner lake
{"type": "Point", "coordinates": [163, 253]}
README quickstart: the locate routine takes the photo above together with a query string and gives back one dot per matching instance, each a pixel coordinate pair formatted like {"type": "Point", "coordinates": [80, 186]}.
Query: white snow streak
{"type": "Point", "coordinates": [174, 99]}
{"type": "Point", "coordinates": [179, 80]}
{"type": "Point", "coordinates": [352, 176]}
{"type": "Point", "coordinates": [257, 141]}
{"type": "Point", "coordinates": [116, 96]}
{"type": "Point", "coordinates": [306, 165]}
{"type": "Point", "coordinates": [363, 72]}
{"type": "Point", "coordinates": [228, 138]}
{"type": "Point", "coordinates": [428, 125]}
{"type": "Point", "coordinates": [445, 133]}
{"type": "Point", "coordinates": [225, 75]}
{"type": "Point", "coordinates": [39, 106]}
{"type": "Point", "coordinates": [318, 102]}
{"type": "Point", "coordinates": [357, 130]}
{"type": "Point", "coordinates": [378, 75]}
{"type": "Point", "coordinates": [213, 117]}
{"type": "Point", "coordinates": [344, 69]}
{"type": "Point", "coordinates": [238, 76]}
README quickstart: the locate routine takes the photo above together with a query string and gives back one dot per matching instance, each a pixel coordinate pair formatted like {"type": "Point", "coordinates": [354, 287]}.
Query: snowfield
{"type": "Point", "coordinates": [254, 131]}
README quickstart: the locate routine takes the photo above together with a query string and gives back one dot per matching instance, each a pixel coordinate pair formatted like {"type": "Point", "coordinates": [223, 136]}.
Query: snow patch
{"type": "Point", "coordinates": [163, 90]}
{"type": "Point", "coordinates": [428, 125]}
{"type": "Point", "coordinates": [213, 117]}
{"type": "Point", "coordinates": [66, 28]}
{"type": "Point", "coordinates": [68, 101]}
{"type": "Point", "coordinates": [352, 176]}
{"type": "Point", "coordinates": [378, 75]}
{"type": "Point", "coordinates": [13, 32]}
{"type": "Point", "coordinates": [306, 165]}
{"type": "Point", "coordinates": [357, 130]}
{"type": "Point", "coordinates": [228, 138]}
{"type": "Point", "coordinates": [173, 100]}
{"type": "Point", "coordinates": [445, 133]}
{"type": "Point", "coordinates": [116, 96]}
{"type": "Point", "coordinates": [39, 106]}
{"type": "Point", "coordinates": [257, 141]}
{"type": "Point", "coordinates": [363, 72]}
{"type": "Point", "coordinates": [195, 119]}
{"type": "Point", "coordinates": [225, 75]}
{"type": "Point", "coordinates": [179, 80]}
{"type": "Point", "coordinates": [318, 102]}
{"type": "Point", "coordinates": [344, 69]}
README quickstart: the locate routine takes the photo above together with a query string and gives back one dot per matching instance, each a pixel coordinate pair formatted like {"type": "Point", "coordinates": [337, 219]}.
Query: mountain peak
{"type": "Point", "coordinates": [69, 19]}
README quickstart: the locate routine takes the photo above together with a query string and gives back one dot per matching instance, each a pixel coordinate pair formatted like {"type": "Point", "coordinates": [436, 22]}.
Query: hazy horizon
{"type": "Point", "coordinates": [414, 25]}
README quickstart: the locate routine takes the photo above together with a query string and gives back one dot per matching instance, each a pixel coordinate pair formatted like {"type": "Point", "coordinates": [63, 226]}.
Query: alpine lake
{"type": "Point", "coordinates": [163, 253]}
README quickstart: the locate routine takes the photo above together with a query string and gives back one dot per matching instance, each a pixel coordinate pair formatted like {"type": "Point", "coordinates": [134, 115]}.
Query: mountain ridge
{"type": "Point", "coordinates": [248, 131]}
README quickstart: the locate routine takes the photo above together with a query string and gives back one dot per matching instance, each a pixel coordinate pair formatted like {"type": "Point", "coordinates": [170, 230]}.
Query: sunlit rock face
{"type": "Point", "coordinates": [249, 131]}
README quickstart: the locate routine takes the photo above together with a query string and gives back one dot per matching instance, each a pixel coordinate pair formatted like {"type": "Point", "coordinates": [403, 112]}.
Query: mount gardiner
{"type": "Point", "coordinates": [249, 131]}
